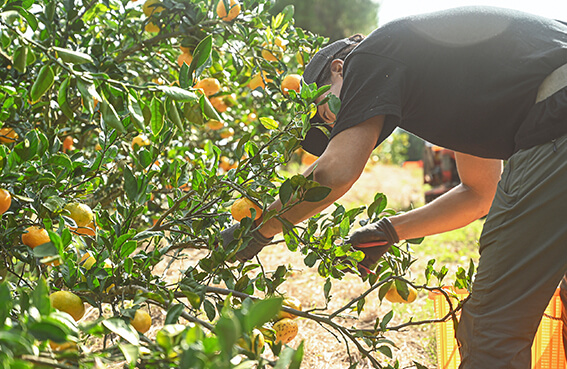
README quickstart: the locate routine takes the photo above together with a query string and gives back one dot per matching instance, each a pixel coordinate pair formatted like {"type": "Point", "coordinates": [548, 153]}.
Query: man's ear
{"type": "Point", "coordinates": [337, 67]}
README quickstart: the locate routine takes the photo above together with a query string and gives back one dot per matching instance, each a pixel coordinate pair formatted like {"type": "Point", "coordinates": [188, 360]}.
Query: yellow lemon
{"type": "Point", "coordinates": [82, 214]}
{"type": "Point", "coordinates": [69, 303]}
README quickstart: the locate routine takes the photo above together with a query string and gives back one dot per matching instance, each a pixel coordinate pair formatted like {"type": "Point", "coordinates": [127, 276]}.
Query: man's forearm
{"type": "Point", "coordinates": [453, 210]}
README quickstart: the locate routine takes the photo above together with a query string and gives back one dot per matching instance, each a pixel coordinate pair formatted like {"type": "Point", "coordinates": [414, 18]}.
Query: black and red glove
{"type": "Point", "coordinates": [374, 240]}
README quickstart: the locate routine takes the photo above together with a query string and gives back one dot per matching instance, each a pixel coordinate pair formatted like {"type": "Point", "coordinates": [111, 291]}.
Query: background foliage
{"type": "Point", "coordinates": [335, 19]}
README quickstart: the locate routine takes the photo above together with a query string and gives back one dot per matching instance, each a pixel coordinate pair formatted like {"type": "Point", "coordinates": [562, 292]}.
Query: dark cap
{"type": "Point", "coordinates": [315, 67]}
{"type": "Point", "coordinates": [317, 138]}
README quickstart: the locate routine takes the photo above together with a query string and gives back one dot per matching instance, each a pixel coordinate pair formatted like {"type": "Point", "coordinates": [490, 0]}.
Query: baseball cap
{"type": "Point", "coordinates": [314, 69]}
{"type": "Point", "coordinates": [317, 138]}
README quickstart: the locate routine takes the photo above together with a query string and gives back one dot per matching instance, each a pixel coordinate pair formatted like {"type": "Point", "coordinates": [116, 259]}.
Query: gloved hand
{"type": "Point", "coordinates": [374, 240]}
{"type": "Point", "coordinates": [255, 245]}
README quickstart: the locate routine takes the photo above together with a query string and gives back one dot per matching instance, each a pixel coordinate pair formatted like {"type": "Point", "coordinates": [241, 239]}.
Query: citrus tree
{"type": "Point", "coordinates": [132, 135]}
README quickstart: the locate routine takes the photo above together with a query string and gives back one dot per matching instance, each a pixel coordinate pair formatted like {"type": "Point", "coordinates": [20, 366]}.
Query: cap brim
{"type": "Point", "coordinates": [316, 140]}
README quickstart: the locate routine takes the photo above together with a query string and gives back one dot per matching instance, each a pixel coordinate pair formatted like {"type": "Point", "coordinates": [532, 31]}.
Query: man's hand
{"type": "Point", "coordinates": [255, 245]}
{"type": "Point", "coordinates": [374, 240]}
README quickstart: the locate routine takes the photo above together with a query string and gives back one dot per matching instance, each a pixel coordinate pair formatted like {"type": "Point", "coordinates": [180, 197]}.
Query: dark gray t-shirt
{"type": "Point", "coordinates": [465, 79]}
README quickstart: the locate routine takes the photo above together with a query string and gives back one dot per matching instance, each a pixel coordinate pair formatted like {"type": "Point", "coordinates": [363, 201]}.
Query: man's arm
{"type": "Point", "coordinates": [460, 206]}
{"type": "Point", "coordinates": [337, 168]}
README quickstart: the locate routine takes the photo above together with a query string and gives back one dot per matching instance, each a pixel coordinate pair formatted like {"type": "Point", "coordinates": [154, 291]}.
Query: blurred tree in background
{"type": "Point", "coordinates": [333, 18]}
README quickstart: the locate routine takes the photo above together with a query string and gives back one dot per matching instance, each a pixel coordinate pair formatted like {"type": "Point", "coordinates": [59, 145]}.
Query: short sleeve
{"type": "Point", "coordinates": [372, 85]}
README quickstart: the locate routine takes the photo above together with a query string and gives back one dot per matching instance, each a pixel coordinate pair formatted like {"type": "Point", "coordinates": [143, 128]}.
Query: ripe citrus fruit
{"type": "Point", "coordinates": [219, 104]}
{"type": "Point", "coordinates": [5, 200]}
{"type": "Point", "coordinates": [8, 135]}
{"type": "Point", "coordinates": [394, 296]}
{"type": "Point", "coordinates": [241, 209]}
{"type": "Point", "coordinates": [257, 340]}
{"type": "Point", "coordinates": [80, 213]}
{"type": "Point", "coordinates": [35, 236]}
{"type": "Point", "coordinates": [291, 82]}
{"type": "Point", "coordinates": [257, 81]}
{"type": "Point", "coordinates": [87, 261]}
{"type": "Point", "coordinates": [226, 165]}
{"type": "Point", "coordinates": [63, 346]}
{"type": "Point", "coordinates": [226, 132]}
{"type": "Point", "coordinates": [151, 27]}
{"type": "Point", "coordinates": [69, 303]}
{"type": "Point", "coordinates": [142, 321]}
{"type": "Point", "coordinates": [148, 9]}
{"type": "Point", "coordinates": [214, 124]}
{"type": "Point", "coordinates": [290, 302]}
{"type": "Point", "coordinates": [140, 140]}
{"type": "Point", "coordinates": [234, 10]}
{"type": "Point", "coordinates": [286, 330]}
{"type": "Point", "coordinates": [88, 230]}
{"type": "Point", "coordinates": [184, 57]}
{"type": "Point", "coordinates": [68, 143]}
{"type": "Point", "coordinates": [210, 86]}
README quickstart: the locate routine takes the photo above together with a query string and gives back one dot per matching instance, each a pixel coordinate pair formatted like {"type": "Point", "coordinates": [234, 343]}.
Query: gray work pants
{"type": "Point", "coordinates": [523, 257]}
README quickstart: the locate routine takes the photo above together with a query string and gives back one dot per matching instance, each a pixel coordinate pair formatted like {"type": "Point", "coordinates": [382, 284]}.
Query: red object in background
{"type": "Point", "coordinates": [439, 171]}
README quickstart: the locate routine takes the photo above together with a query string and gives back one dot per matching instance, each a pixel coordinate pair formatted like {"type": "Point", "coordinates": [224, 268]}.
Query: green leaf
{"type": "Point", "coordinates": [386, 320]}
{"type": "Point", "coordinates": [20, 58]}
{"type": "Point", "coordinates": [43, 82]}
{"type": "Point", "coordinates": [209, 310]}
{"type": "Point", "coordinates": [169, 335]}
{"type": "Point", "coordinates": [130, 352]}
{"type": "Point", "coordinates": [49, 329]}
{"type": "Point", "coordinates": [386, 350]}
{"type": "Point", "coordinates": [128, 248]}
{"type": "Point", "coordinates": [28, 148]}
{"type": "Point", "coordinates": [269, 123]}
{"type": "Point", "coordinates": [334, 104]}
{"type": "Point", "coordinates": [62, 98]}
{"type": "Point", "coordinates": [173, 114]}
{"type": "Point", "coordinates": [157, 116]}
{"type": "Point", "coordinates": [344, 227]}
{"type": "Point", "coordinates": [297, 357]}
{"type": "Point", "coordinates": [377, 206]}
{"type": "Point", "coordinates": [184, 76]}
{"type": "Point", "coordinates": [73, 57]}
{"type": "Point", "coordinates": [135, 112]}
{"type": "Point", "coordinates": [285, 191]}
{"type": "Point", "coordinates": [47, 249]}
{"type": "Point", "coordinates": [261, 312]}
{"type": "Point", "coordinates": [208, 109]}
{"type": "Point", "coordinates": [6, 303]}
{"type": "Point", "coordinates": [130, 184]}
{"type": "Point", "coordinates": [310, 259]}
{"type": "Point", "coordinates": [201, 56]}
{"type": "Point", "coordinates": [316, 194]}
{"type": "Point", "coordinates": [88, 92]}
{"type": "Point", "coordinates": [173, 313]}
{"type": "Point", "coordinates": [228, 330]}
{"type": "Point", "coordinates": [419, 366]}
{"type": "Point", "coordinates": [327, 289]}
{"type": "Point", "coordinates": [288, 12]}
{"type": "Point", "coordinates": [123, 329]}
{"type": "Point", "coordinates": [30, 18]}
{"type": "Point", "coordinates": [179, 94]}
{"type": "Point", "coordinates": [110, 117]}
{"type": "Point", "coordinates": [40, 298]}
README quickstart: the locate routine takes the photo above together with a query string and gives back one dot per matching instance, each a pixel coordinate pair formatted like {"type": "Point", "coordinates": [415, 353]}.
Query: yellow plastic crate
{"type": "Point", "coordinates": [547, 348]}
